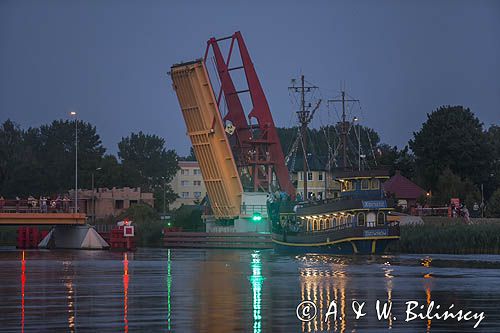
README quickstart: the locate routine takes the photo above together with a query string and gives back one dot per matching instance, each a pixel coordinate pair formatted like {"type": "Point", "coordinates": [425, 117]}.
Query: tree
{"type": "Point", "coordinates": [111, 173]}
{"type": "Point", "coordinates": [10, 145]}
{"type": "Point", "coordinates": [450, 185]}
{"type": "Point", "coordinates": [147, 164]}
{"type": "Point", "coordinates": [396, 159]}
{"type": "Point", "coordinates": [190, 157]}
{"type": "Point", "coordinates": [493, 207]}
{"type": "Point", "coordinates": [452, 137]}
{"type": "Point", "coordinates": [41, 161]}
{"type": "Point", "coordinates": [493, 135]}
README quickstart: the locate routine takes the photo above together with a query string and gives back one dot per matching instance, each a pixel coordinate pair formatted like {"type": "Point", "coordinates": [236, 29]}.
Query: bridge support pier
{"type": "Point", "coordinates": [83, 237]}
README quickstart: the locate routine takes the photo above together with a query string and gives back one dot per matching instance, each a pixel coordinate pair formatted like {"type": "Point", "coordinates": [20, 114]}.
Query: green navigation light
{"type": "Point", "coordinates": [256, 217]}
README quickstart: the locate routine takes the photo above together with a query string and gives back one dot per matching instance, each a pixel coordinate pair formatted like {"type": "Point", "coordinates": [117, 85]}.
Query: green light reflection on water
{"type": "Point", "coordinates": [256, 279]}
{"type": "Point", "coordinates": [169, 285]}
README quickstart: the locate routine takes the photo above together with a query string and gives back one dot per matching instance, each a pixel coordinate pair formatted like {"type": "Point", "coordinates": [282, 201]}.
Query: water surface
{"type": "Point", "coordinates": [183, 290]}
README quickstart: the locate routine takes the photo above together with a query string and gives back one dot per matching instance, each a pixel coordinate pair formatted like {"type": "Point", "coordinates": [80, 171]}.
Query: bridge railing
{"type": "Point", "coordinates": [40, 206]}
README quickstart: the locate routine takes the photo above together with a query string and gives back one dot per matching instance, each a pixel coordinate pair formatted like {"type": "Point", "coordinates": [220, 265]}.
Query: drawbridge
{"type": "Point", "coordinates": [206, 131]}
{"type": "Point", "coordinates": [239, 152]}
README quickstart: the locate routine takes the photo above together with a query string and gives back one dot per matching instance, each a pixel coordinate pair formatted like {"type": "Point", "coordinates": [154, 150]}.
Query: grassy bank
{"type": "Point", "coordinates": [449, 238]}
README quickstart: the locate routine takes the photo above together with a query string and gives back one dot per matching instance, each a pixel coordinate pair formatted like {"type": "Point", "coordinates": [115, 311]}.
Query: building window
{"type": "Point", "coordinates": [196, 172]}
{"type": "Point", "coordinates": [185, 195]}
{"type": "Point", "coordinates": [309, 176]}
{"type": "Point", "coordinates": [197, 195]}
{"type": "Point", "coordinates": [380, 218]}
{"type": "Point", "coordinates": [319, 195]}
{"type": "Point", "coordinates": [365, 184]}
{"type": "Point", "coordinates": [197, 182]}
{"type": "Point", "coordinates": [133, 202]}
{"type": "Point", "coordinates": [301, 175]}
{"type": "Point", "coordinates": [375, 184]}
{"type": "Point", "coordinates": [361, 219]}
{"type": "Point", "coordinates": [185, 172]}
{"type": "Point", "coordinates": [118, 204]}
{"type": "Point", "coordinates": [184, 182]}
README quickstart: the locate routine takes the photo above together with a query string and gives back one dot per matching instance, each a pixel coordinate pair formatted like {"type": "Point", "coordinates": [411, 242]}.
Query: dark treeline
{"type": "Point", "coordinates": [41, 161]}
{"type": "Point", "coordinates": [452, 155]}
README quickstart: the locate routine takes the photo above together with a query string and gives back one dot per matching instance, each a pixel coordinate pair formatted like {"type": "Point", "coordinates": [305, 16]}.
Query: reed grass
{"type": "Point", "coordinates": [449, 238]}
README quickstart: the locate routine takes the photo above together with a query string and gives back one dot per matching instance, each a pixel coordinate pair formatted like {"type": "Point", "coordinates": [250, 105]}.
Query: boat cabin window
{"type": "Point", "coordinates": [361, 219]}
{"type": "Point", "coordinates": [365, 184]}
{"type": "Point", "coordinates": [371, 219]}
{"type": "Point", "coordinates": [347, 185]}
{"type": "Point", "coordinates": [375, 184]}
{"type": "Point", "coordinates": [380, 218]}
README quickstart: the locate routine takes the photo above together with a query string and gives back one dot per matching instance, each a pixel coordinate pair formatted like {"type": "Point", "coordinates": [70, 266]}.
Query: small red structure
{"type": "Point", "coordinates": [122, 237]}
{"type": "Point", "coordinates": [29, 237]}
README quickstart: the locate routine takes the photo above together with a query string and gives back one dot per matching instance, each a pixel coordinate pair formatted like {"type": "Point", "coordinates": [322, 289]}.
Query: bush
{"type": "Point", "coordinates": [148, 226]}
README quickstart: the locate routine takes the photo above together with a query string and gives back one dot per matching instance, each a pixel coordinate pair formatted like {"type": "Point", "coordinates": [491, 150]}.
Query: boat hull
{"type": "Point", "coordinates": [350, 240]}
{"type": "Point", "coordinates": [347, 246]}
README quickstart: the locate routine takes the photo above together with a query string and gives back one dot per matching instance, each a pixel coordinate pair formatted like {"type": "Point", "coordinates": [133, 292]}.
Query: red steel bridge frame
{"type": "Point", "coordinates": [256, 147]}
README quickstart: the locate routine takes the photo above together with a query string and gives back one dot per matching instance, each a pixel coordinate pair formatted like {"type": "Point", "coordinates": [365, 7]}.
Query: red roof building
{"type": "Point", "coordinates": [404, 190]}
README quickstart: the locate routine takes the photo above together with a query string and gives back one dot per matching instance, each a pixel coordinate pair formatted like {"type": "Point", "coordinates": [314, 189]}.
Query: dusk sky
{"type": "Point", "coordinates": [109, 59]}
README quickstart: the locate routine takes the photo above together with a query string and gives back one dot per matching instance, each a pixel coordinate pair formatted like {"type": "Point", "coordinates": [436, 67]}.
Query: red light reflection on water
{"type": "Point", "coordinates": [23, 283]}
{"type": "Point", "coordinates": [125, 291]}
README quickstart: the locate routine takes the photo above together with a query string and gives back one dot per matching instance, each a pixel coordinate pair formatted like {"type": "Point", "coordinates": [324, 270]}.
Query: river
{"type": "Point", "coordinates": [186, 290]}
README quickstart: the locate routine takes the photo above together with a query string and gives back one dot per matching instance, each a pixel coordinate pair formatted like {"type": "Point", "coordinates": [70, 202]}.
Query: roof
{"type": "Point", "coordinates": [188, 164]}
{"type": "Point", "coordinates": [402, 187]}
{"type": "Point", "coordinates": [372, 173]}
{"type": "Point", "coordinates": [315, 163]}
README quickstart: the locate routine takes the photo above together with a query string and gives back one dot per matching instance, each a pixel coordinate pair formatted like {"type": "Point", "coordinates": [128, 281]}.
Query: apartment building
{"type": "Point", "coordinates": [188, 184]}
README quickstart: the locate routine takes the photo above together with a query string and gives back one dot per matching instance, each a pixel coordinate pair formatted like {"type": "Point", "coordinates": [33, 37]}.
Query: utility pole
{"type": "Point", "coordinates": [305, 116]}
{"type": "Point", "coordinates": [344, 126]}
{"type": "Point", "coordinates": [74, 114]}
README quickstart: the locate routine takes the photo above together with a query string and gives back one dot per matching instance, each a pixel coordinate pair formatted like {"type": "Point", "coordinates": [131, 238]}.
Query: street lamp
{"type": "Point", "coordinates": [73, 114]}
{"type": "Point", "coordinates": [93, 195]}
{"type": "Point", "coordinates": [164, 196]}
{"type": "Point", "coordinates": [359, 141]}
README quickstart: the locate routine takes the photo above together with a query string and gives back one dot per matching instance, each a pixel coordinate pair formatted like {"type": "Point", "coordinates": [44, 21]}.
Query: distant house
{"type": "Point", "coordinates": [320, 183]}
{"type": "Point", "coordinates": [111, 202]}
{"type": "Point", "coordinates": [404, 190]}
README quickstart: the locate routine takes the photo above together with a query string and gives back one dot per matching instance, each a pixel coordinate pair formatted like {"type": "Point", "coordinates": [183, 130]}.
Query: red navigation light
{"type": "Point", "coordinates": [125, 221]}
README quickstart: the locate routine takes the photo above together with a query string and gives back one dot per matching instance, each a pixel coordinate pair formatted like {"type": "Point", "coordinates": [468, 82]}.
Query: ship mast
{"type": "Point", "coordinates": [344, 126]}
{"type": "Point", "coordinates": [305, 116]}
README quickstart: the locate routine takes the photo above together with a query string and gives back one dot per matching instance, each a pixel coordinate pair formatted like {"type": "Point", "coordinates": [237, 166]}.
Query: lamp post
{"type": "Point", "coordinates": [164, 196]}
{"type": "Point", "coordinates": [93, 195]}
{"type": "Point", "coordinates": [359, 141]}
{"type": "Point", "coordinates": [73, 114]}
